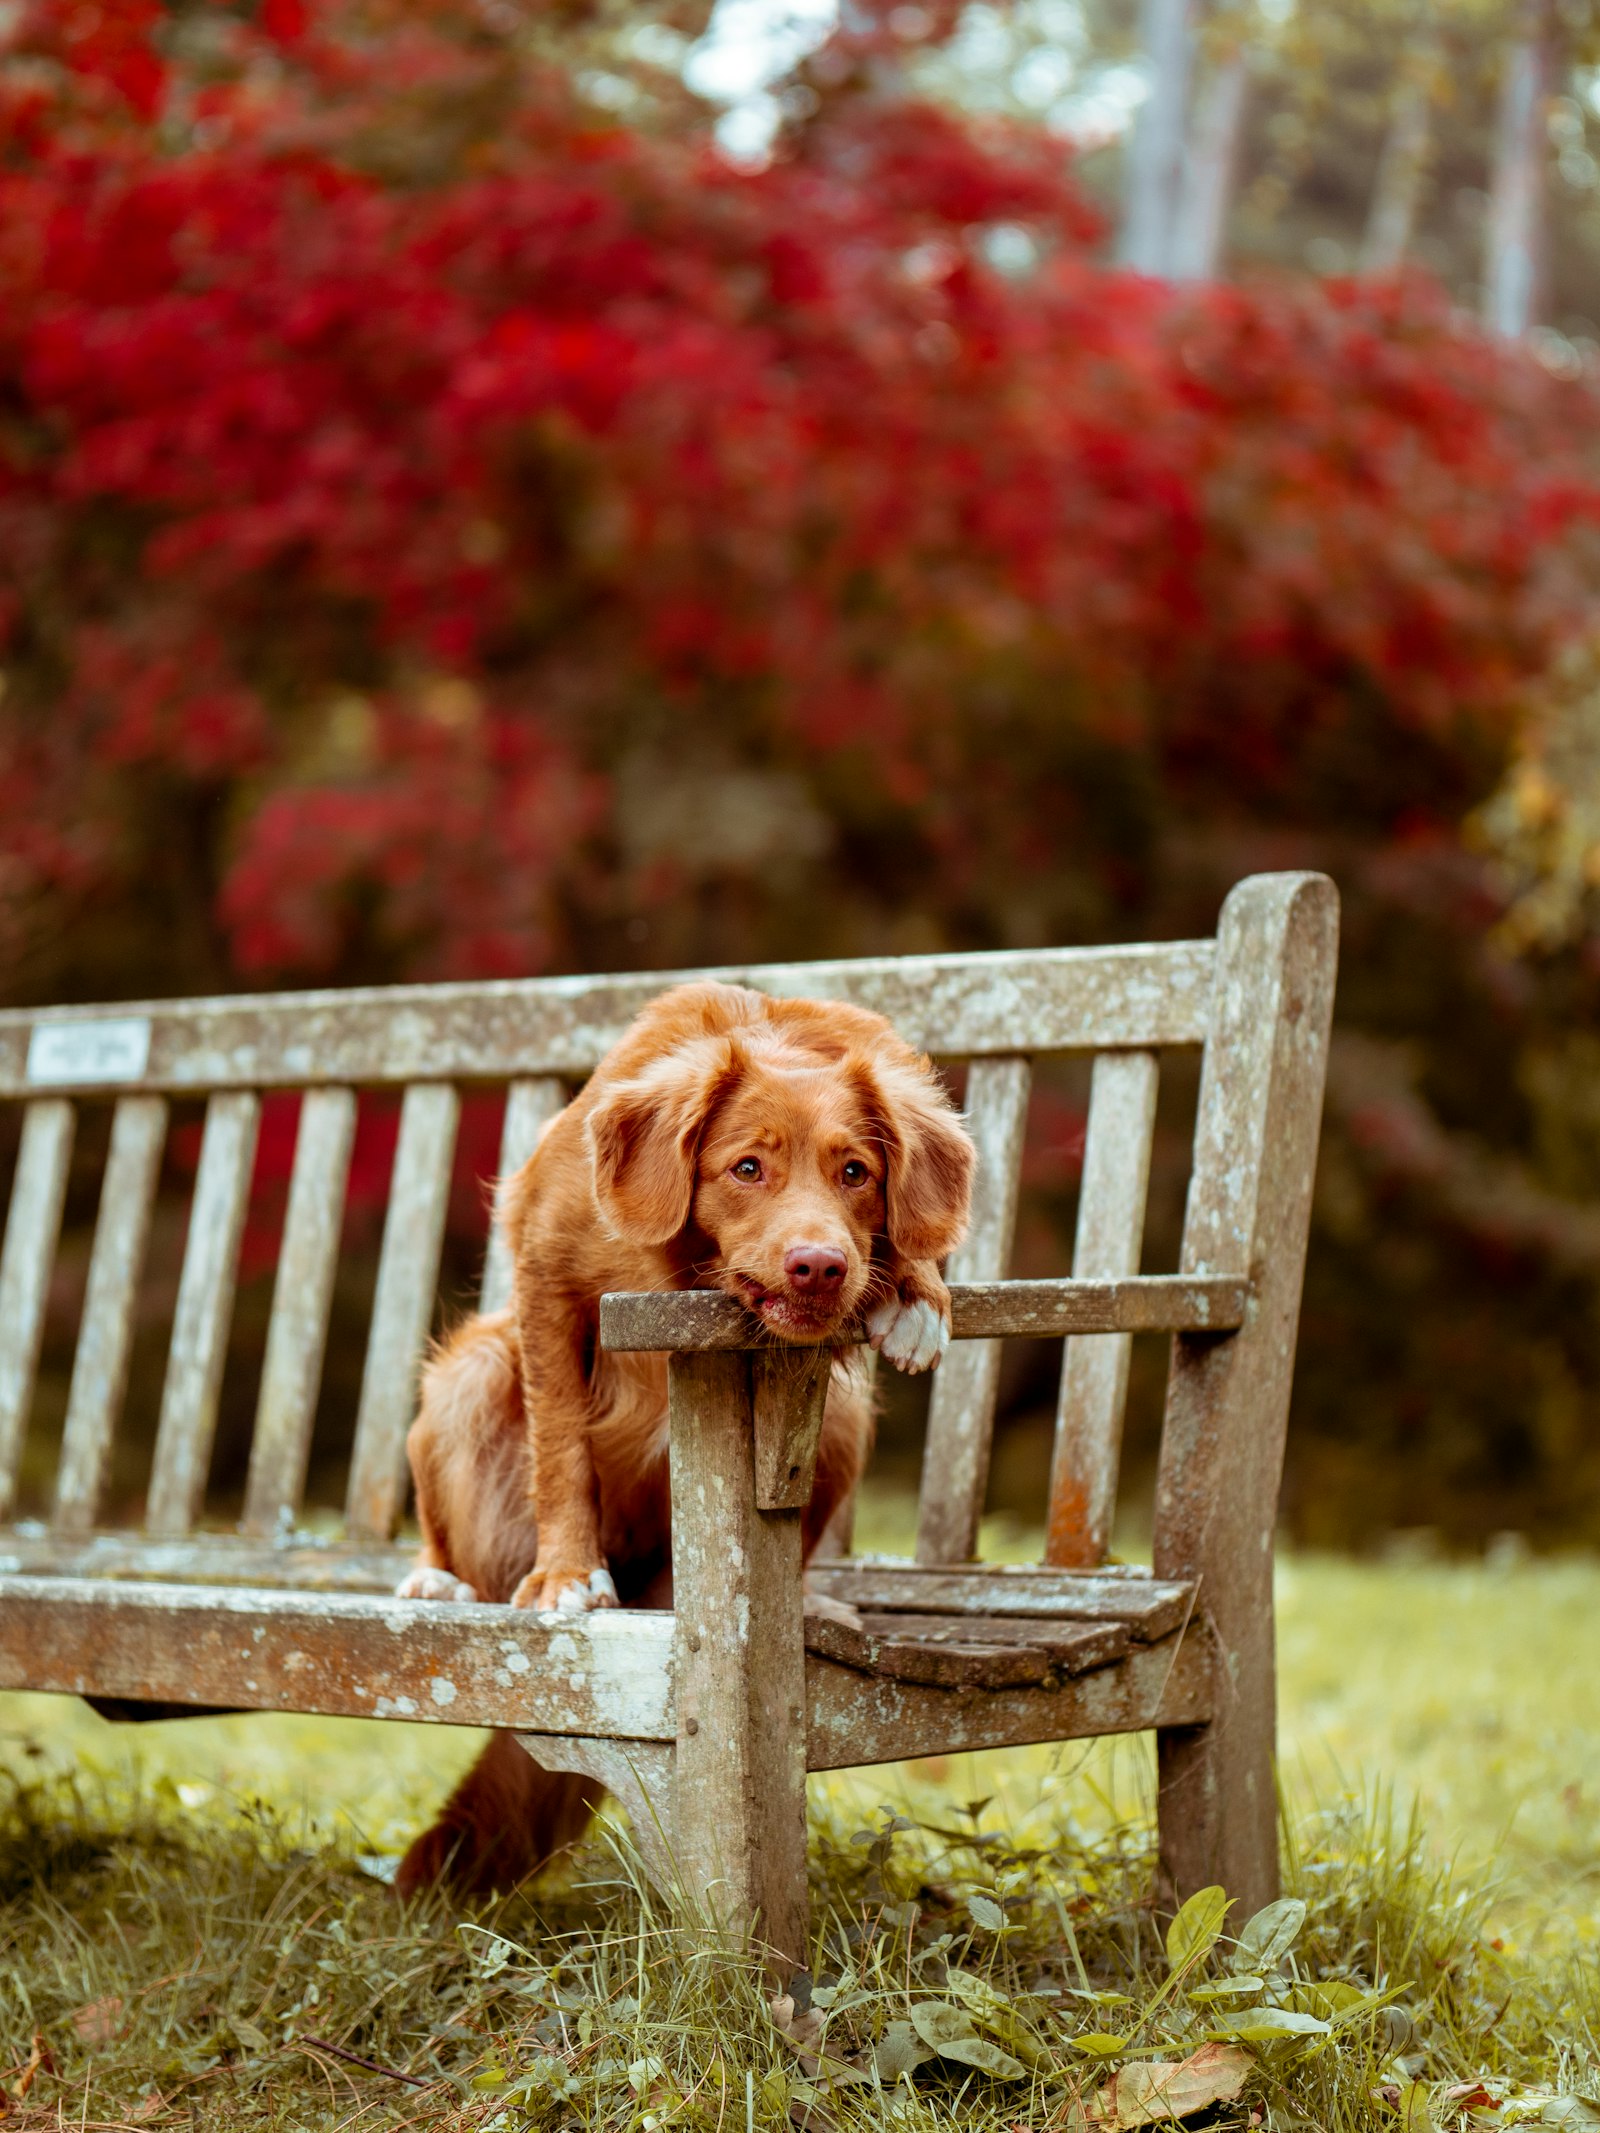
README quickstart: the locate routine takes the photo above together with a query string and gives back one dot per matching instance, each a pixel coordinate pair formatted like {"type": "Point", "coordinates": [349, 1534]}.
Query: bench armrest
{"type": "Point", "coordinates": [710, 1319]}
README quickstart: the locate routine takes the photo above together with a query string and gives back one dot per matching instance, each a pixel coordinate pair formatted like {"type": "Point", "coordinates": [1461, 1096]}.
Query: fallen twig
{"type": "Point", "coordinates": [372, 2066]}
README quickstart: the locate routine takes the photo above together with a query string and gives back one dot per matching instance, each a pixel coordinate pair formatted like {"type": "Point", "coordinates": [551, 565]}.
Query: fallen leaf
{"type": "Point", "coordinates": [99, 2021]}
{"type": "Point", "coordinates": [1151, 2090]}
{"type": "Point", "coordinates": [39, 2062]}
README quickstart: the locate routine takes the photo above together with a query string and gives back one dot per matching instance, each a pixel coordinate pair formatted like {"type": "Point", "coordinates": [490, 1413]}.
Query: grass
{"type": "Point", "coordinates": [190, 1919]}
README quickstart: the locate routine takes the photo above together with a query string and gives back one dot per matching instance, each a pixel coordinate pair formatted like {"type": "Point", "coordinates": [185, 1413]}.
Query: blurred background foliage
{"type": "Point", "coordinates": [458, 519]}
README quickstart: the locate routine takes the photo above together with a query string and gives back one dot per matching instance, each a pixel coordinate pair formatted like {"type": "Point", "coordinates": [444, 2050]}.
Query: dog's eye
{"type": "Point", "coordinates": [748, 1169]}
{"type": "Point", "coordinates": [856, 1173]}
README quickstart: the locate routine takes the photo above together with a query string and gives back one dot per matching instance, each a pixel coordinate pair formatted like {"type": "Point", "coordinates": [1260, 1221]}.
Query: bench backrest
{"type": "Point", "coordinates": [538, 1038]}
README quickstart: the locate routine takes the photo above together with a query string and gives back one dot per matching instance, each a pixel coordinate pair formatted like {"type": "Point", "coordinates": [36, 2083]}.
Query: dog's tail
{"type": "Point", "coordinates": [502, 1822]}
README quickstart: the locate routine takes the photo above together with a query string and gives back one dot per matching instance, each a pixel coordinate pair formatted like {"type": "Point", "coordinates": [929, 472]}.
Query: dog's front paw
{"type": "Point", "coordinates": [427, 1583]}
{"type": "Point", "coordinates": [564, 1591]}
{"type": "Point", "coordinates": [912, 1335]}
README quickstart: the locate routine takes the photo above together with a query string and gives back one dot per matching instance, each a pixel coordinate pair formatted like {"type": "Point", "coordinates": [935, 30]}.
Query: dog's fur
{"type": "Point", "coordinates": [797, 1153]}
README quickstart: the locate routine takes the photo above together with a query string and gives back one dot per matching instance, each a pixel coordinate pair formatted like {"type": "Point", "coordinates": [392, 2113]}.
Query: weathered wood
{"type": "Point", "coordinates": [1094, 1369]}
{"type": "Point", "coordinates": [711, 1319]}
{"type": "Point", "coordinates": [640, 1773]}
{"type": "Point", "coordinates": [205, 1559]}
{"type": "Point", "coordinates": [302, 1294]}
{"type": "Point", "coordinates": [33, 1228]}
{"type": "Point", "coordinates": [966, 1651]}
{"type": "Point", "coordinates": [1148, 1608]}
{"type": "Point", "coordinates": [789, 1399]}
{"type": "Point", "coordinates": [606, 1674]}
{"type": "Point", "coordinates": [100, 1366]}
{"type": "Point", "coordinates": [955, 1459]}
{"type": "Point", "coordinates": [1227, 1401]}
{"type": "Point", "coordinates": [739, 1794]}
{"type": "Point", "coordinates": [530, 1106]}
{"type": "Point", "coordinates": [1034, 1000]}
{"type": "Point", "coordinates": [204, 1313]}
{"type": "Point", "coordinates": [951, 1656]}
{"type": "Point", "coordinates": [402, 1310]}
{"type": "Point", "coordinates": [858, 1719]}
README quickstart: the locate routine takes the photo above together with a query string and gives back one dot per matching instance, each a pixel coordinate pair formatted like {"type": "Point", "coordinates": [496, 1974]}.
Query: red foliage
{"type": "Point", "coordinates": [379, 500]}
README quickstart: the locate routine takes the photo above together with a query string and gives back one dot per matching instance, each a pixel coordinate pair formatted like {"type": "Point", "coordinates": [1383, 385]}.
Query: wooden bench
{"type": "Point", "coordinates": [706, 1720]}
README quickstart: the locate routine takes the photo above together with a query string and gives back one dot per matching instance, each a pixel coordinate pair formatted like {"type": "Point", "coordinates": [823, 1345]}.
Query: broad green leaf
{"type": "Point", "coordinates": [1267, 1938]}
{"type": "Point", "coordinates": [977, 1992]}
{"type": "Point", "coordinates": [950, 2032]}
{"type": "Point", "coordinates": [938, 2023]}
{"type": "Point", "coordinates": [1577, 2114]}
{"type": "Point", "coordinates": [979, 2052]}
{"type": "Point", "coordinates": [1102, 1999]}
{"type": "Point", "coordinates": [995, 2010]}
{"type": "Point", "coordinates": [1193, 1933]}
{"type": "Point", "coordinates": [1226, 1988]}
{"type": "Point", "coordinates": [1254, 2025]}
{"type": "Point", "coordinates": [986, 1913]}
{"type": "Point", "coordinates": [1098, 2043]}
{"type": "Point", "coordinates": [1336, 1997]}
{"type": "Point", "coordinates": [900, 2051]}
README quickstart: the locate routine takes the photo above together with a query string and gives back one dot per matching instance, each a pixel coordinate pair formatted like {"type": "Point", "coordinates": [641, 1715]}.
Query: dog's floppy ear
{"type": "Point", "coordinates": [644, 1138]}
{"type": "Point", "coordinates": [930, 1157]}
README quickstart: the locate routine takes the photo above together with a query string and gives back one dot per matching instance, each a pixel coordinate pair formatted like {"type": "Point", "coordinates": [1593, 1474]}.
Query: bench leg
{"type": "Point", "coordinates": [739, 1784]}
{"type": "Point", "coordinates": [1228, 1395]}
{"type": "Point", "coordinates": [1217, 1808]}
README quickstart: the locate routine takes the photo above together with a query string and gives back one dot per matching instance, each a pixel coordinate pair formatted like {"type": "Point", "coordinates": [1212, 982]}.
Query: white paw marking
{"type": "Point", "coordinates": [912, 1336]}
{"type": "Point", "coordinates": [596, 1590]}
{"type": "Point", "coordinates": [826, 1609]}
{"type": "Point", "coordinates": [426, 1583]}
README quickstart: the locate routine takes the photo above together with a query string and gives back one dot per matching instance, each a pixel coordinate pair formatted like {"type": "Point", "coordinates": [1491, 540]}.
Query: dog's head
{"type": "Point", "coordinates": [782, 1156]}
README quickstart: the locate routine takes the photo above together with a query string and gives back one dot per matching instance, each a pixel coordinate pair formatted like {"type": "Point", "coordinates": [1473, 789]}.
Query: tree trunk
{"type": "Point", "coordinates": [1201, 220]}
{"type": "Point", "coordinates": [1516, 193]}
{"type": "Point", "coordinates": [1155, 154]}
{"type": "Point", "coordinates": [1392, 220]}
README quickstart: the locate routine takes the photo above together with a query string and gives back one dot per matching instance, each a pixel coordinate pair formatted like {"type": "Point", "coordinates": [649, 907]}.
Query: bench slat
{"type": "Point", "coordinates": [1094, 1369]}
{"type": "Point", "coordinates": [530, 1106]}
{"type": "Point", "coordinates": [1034, 1000]}
{"type": "Point", "coordinates": [1142, 1303]}
{"type": "Point", "coordinates": [402, 1311]}
{"type": "Point", "coordinates": [205, 1559]}
{"type": "Point", "coordinates": [856, 1719]}
{"type": "Point", "coordinates": [1147, 1607]}
{"type": "Point", "coordinates": [100, 1367]}
{"type": "Point", "coordinates": [967, 1651]}
{"type": "Point", "coordinates": [204, 1313]}
{"type": "Point", "coordinates": [298, 1330]}
{"type": "Point", "coordinates": [33, 1229]}
{"type": "Point", "coordinates": [607, 1673]}
{"type": "Point", "coordinates": [955, 1464]}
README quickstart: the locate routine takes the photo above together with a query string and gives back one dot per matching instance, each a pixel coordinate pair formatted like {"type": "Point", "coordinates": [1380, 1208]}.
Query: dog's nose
{"type": "Point", "coordinates": [814, 1268]}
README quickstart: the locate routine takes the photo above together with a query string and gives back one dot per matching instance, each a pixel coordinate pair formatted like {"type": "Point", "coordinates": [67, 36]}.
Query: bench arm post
{"type": "Point", "coordinates": [1228, 1399]}
{"type": "Point", "coordinates": [739, 1791]}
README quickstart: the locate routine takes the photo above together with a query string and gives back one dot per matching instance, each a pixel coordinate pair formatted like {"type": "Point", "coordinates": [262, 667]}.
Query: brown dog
{"type": "Point", "coordinates": [795, 1152]}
